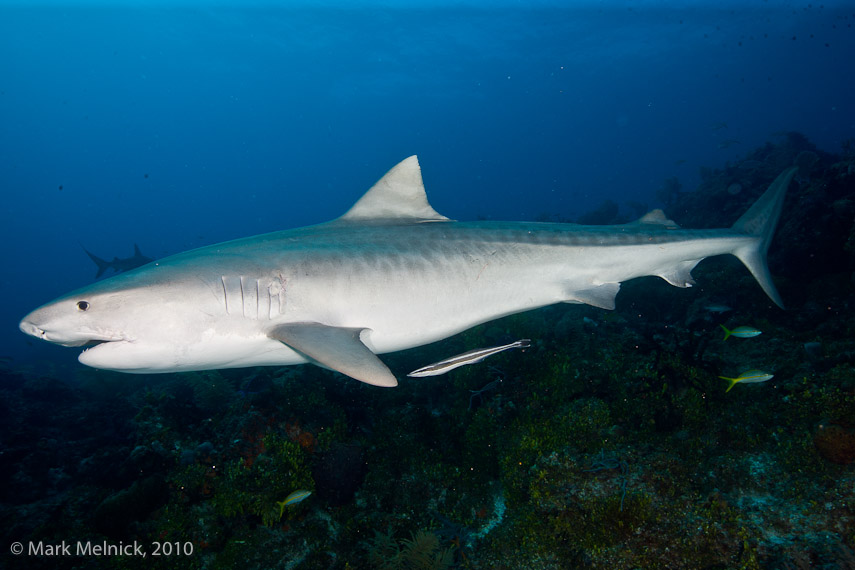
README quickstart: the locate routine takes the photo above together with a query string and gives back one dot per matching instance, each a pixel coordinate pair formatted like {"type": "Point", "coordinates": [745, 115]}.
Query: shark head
{"type": "Point", "coordinates": [85, 320]}
{"type": "Point", "coordinates": [107, 322]}
{"type": "Point", "coordinates": [75, 320]}
{"type": "Point", "coordinates": [115, 322]}
{"type": "Point", "coordinates": [154, 319]}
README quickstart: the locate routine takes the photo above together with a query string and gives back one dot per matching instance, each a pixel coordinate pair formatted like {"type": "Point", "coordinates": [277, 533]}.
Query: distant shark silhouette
{"type": "Point", "coordinates": [119, 265]}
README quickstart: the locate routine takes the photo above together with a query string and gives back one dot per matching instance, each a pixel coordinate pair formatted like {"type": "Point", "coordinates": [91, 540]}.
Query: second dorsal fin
{"type": "Point", "coordinates": [657, 217]}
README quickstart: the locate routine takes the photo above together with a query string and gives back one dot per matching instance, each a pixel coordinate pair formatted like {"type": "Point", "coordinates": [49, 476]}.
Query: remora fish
{"type": "Point", "coordinates": [388, 275]}
{"type": "Point", "coordinates": [471, 357]}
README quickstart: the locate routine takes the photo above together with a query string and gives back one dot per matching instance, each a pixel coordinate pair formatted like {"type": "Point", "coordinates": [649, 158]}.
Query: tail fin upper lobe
{"type": "Point", "coordinates": [102, 265]}
{"type": "Point", "coordinates": [760, 220]}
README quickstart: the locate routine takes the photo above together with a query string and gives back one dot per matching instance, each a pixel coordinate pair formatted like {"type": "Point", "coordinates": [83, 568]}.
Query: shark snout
{"type": "Point", "coordinates": [62, 333]}
{"type": "Point", "coordinates": [29, 328]}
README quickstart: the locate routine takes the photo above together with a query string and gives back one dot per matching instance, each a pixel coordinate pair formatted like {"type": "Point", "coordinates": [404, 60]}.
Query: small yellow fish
{"type": "Point", "coordinates": [292, 499]}
{"type": "Point", "coordinates": [748, 377]}
{"type": "Point", "coordinates": [740, 332]}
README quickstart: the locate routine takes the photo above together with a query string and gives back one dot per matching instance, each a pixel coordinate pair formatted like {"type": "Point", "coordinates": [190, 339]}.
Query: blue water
{"type": "Point", "coordinates": [176, 127]}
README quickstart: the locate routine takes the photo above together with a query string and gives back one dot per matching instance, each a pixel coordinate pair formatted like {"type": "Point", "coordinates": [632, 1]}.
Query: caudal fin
{"type": "Point", "coordinates": [732, 382]}
{"type": "Point", "coordinates": [760, 220]}
{"type": "Point", "coordinates": [102, 265]}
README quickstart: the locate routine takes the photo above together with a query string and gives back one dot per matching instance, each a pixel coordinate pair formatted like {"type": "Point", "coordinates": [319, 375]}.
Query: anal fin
{"type": "Point", "coordinates": [337, 348]}
{"type": "Point", "coordinates": [681, 274]}
{"type": "Point", "coordinates": [602, 296]}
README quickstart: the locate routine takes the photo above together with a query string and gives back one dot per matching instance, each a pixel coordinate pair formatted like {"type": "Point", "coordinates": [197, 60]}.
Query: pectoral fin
{"type": "Point", "coordinates": [337, 348]}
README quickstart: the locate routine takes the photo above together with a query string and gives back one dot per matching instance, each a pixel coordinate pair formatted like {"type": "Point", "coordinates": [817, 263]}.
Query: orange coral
{"type": "Point", "coordinates": [293, 430]}
{"type": "Point", "coordinates": [835, 442]}
{"type": "Point", "coordinates": [298, 435]}
{"type": "Point", "coordinates": [307, 441]}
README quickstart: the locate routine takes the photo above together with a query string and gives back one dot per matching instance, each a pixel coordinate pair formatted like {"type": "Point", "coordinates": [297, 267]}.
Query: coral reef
{"type": "Point", "coordinates": [610, 443]}
{"type": "Point", "coordinates": [835, 442]}
{"type": "Point", "coordinates": [420, 552]}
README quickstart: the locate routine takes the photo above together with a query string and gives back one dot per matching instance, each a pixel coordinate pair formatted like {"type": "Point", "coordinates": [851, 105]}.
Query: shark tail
{"type": "Point", "coordinates": [102, 265]}
{"type": "Point", "coordinates": [760, 220]}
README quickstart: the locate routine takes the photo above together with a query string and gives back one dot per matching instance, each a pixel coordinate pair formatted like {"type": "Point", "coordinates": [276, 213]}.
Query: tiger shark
{"type": "Point", "coordinates": [388, 275]}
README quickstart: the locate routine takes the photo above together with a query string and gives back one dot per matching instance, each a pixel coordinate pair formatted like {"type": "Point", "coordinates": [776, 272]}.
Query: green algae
{"type": "Point", "coordinates": [422, 551]}
{"type": "Point", "coordinates": [255, 489]}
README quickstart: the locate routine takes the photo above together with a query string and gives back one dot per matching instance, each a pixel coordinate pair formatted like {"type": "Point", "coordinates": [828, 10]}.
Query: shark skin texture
{"type": "Point", "coordinates": [388, 275]}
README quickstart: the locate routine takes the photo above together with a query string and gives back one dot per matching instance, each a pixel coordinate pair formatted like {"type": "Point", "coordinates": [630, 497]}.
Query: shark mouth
{"type": "Point", "coordinates": [87, 338]}
{"type": "Point", "coordinates": [93, 345]}
{"type": "Point", "coordinates": [90, 344]}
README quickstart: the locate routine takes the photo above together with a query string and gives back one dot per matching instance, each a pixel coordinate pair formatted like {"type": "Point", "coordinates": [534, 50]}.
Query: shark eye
{"type": "Point", "coordinates": [82, 306]}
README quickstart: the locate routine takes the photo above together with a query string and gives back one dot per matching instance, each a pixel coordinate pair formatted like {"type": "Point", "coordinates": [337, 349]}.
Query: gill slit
{"type": "Point", "coordinates": [242, 298]}
{"type": "Point", "coordinates": [225, 293]}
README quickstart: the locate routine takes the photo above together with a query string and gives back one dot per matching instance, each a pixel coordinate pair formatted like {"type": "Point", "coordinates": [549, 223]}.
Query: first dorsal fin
{"type": "Point", "coordinates": [397, 197]}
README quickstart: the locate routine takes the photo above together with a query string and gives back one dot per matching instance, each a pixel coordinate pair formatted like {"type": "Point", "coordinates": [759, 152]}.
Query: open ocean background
{"type": "Point", "coordinates": [180, 124]}
{"type": "Point", "coordinates": [613, 441]}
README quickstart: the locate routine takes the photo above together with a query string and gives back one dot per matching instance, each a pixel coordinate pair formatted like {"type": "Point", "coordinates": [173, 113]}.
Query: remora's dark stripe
{"type": "Point", "coordinates": [466, 358]}
{"type": "Point", "coordinates": [470, 357]}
